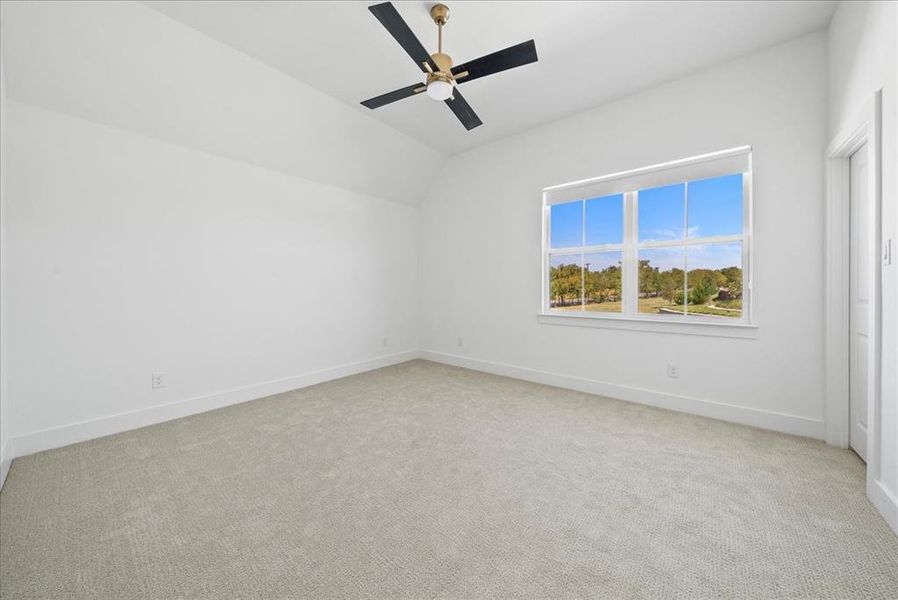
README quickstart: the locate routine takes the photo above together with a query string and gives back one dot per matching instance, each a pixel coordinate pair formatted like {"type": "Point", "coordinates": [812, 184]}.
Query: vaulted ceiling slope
{"type": "Point", "coordinates": [127, 66]}
{"type": "Point", "coordinates": [589, 52]}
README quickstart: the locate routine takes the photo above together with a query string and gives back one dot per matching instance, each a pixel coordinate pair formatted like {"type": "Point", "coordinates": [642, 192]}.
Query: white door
{"type": "Point", "coordinates": [860, 301]}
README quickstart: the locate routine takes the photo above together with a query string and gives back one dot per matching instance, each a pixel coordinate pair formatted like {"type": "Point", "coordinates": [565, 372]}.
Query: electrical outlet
{"type": "Point", "coordinates": [158, 380]}
{"type": "Point", "coordinates": [461, 342]}
{"type": "Point", "coordinates": [673, 371]}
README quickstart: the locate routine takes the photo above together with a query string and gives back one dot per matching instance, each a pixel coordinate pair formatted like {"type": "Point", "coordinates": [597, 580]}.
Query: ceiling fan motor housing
{"type": "Point", "coordinates": [443, 61]}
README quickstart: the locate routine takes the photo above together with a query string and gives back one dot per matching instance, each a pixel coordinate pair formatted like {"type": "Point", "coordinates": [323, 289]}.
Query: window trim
{"type": "Point", "coordinates": [680, 171]}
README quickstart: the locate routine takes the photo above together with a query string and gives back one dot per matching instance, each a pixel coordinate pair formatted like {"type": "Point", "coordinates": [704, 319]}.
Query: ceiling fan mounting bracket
{"type": "Point", "coordinates": [439, 13]}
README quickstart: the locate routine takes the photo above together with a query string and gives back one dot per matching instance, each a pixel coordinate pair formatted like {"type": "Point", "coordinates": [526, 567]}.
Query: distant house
{"type": "Point", "coordinates": [726, 294]}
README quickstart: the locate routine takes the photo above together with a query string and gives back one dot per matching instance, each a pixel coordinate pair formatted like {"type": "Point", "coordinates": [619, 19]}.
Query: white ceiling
{"type": "Point", "coordinates": [589, 52]}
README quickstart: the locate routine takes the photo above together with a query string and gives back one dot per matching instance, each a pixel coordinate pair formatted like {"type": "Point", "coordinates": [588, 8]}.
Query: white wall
{"type": "Point", "coordinates": [176, 206]}
{"type": "Point", "coordinates": [130, 256]}
{"type": "Point", "coordinates": [129, 66]}
{"type": "Point", "coordinates": [480, 245]}
{"type": "Point", "coordinates": [5, 454]}
{"type": "Point", "coordinates": [863, 58]}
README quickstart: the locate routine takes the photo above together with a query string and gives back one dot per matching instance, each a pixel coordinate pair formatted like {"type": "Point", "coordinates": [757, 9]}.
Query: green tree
{"type": "Point", "coordinates": [671, 285]}
{"type": "Point", "coordinates": [702, 291]}
{"type": "Point", "coordinates": [604, 285]}
{"type": "Point", "coordinates": [733, 280]}
{"type": "Point", "coordinates": [565, 283]}
{"type": "Point", "coordinates": [649, 280]}
{"type": "Point", "coordinates": [592, 285]}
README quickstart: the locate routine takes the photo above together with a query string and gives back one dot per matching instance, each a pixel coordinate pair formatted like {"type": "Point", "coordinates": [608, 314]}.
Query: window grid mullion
{"type": "Point", "coordinates": [717, 239]}
{"type": "Point", "coordinates": [585, 250]}
{"type": "Point", "coordinates": [686, 249]}
{"type": "Point", "coordinates": [582, 257]}
{"type": "Point", "coordinates": [630, 271]}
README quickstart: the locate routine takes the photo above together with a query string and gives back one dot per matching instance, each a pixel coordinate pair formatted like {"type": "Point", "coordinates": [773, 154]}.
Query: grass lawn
{"type": "Point", "coordinates": [654, 305]}
{"type": "Point", "coordinates": [595, 307]}
{"type": "Point", "coordinates": [730, 308]}
{"type": "Point", "coordinates": [734, 303]}
{"type": "Point", "coordinates": [605, 307]}
{"type": "Point", "coordinates": [717, 312]}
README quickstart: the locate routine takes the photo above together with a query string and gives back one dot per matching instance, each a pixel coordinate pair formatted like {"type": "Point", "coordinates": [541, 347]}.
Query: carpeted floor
{"type": "Point", "coordinates": [423, 480]}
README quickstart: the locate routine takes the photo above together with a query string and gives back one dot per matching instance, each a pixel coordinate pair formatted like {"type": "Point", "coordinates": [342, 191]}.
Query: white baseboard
{"type": "Point", "coordinates": [5, 461]}
{"type": "Point", "coordinates": [885, 502]}
{"type": "Point", "coordinates": [764, 419]}
{"type": "Point", "coordinates": [56, 437]}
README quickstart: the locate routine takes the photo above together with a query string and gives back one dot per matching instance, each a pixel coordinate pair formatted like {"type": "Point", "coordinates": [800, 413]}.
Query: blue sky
{"type": "Point", "coordinates": [714, 256]}
{"type": "Point", "coordinates": [598, 261]}
{"type": "Point", "coordinates": [661, 213]}
{"type": "Point", "coordinates": [715, 208]}
{"type": "Point", "coordinates": [604, 222]}
{"type": "Point", "coordinates": [664, 258]}
{"type": "Point", "coordinates": [698, 256]}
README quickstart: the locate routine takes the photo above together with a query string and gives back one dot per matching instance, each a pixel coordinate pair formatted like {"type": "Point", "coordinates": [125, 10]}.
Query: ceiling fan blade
{"type": "Point", "coordinates": [390, 18]}
{"type": "Point", "coordinates": [513, 56]}
{"type": "Point", "coordinates": [463, 111]}
{"type": "Point", "coordinates": [393, 96]}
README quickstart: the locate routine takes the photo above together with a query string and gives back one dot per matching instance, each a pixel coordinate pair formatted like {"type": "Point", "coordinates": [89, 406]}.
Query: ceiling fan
{"type": "Point", "coordinates": [440, 77]}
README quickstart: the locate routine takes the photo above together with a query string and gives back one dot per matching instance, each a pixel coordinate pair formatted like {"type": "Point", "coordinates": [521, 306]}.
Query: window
{"type": "Point", "coordinates": [664, 243]}
{"type": "Point", "coordinates": [587, 238]}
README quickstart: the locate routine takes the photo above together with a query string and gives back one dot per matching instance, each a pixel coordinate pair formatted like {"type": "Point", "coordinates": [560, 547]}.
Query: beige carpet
{"type": "Point", "coordinates": [423, 480]}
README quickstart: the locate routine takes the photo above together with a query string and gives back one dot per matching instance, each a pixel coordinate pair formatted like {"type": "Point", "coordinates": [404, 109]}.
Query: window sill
{"type": "Point", "coordinates": [705, 328]}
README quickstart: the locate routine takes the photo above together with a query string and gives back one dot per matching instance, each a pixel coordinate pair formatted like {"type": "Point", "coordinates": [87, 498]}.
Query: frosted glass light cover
{"type": "Point", "coordinates": [439, 90]}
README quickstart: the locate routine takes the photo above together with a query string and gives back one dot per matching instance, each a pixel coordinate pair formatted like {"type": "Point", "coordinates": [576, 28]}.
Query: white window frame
{"type": "Point", "coordinates": [628, 183]}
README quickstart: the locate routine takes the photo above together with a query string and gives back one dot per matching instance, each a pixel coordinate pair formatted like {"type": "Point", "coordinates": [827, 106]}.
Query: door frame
{"type": "Point", "coordinates": [864, 128]}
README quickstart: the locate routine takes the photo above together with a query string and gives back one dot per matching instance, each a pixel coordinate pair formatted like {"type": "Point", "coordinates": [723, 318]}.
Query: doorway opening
{"type": "Point", "coordinates": [852, 292]}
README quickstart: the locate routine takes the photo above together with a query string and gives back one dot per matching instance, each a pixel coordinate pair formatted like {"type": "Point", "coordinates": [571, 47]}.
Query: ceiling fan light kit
{"type": "Point", "coordinates": [439, 88]}
{"type": "Point", "coordinates": [440, 77]}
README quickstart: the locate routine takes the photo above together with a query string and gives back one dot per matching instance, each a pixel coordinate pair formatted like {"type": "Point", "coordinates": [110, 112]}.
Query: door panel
{"type": "Point", "coordinates": [860, 306]}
